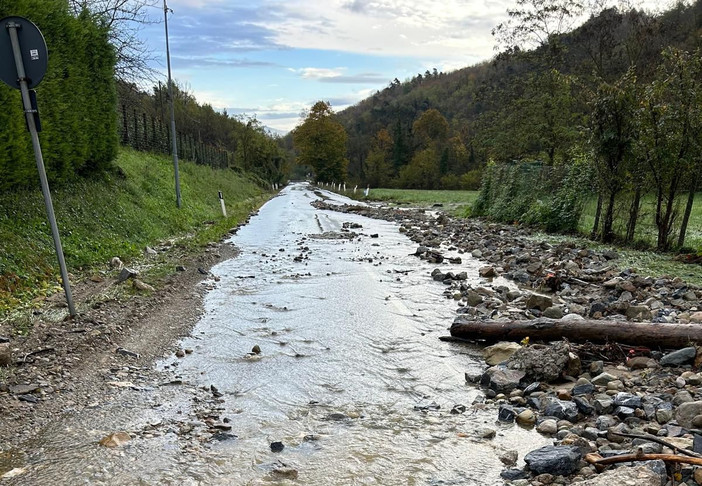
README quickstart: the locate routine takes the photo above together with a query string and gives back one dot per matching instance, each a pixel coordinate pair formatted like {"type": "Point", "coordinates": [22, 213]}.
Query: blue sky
{"type": "Point", "coordinates": [272, 59]}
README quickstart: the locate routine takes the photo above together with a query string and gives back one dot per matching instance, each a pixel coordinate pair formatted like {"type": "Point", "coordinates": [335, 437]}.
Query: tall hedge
{"type": "Point", "coordinates": [77, 99]}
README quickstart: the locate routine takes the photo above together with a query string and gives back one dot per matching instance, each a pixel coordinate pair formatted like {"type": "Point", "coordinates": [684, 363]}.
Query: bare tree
{"type": "Point", "coordinates": [124, 19]}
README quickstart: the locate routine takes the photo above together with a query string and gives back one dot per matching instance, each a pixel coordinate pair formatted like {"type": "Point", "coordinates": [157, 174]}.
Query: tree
{"type": "Point", "coordinates": [320, 141]}
{"type": "Point", "coordinates": [123, 19]}
{"type": "Point", "coordinates": [377, 166]}
{"type": "Point", "coordinates": [537, 23]}
{"type": "Point", "coordinates": [431, 127]}
{"type": "Point", "coordinates": [613, 133]}
{"type": "Point", "coordinates": [671, 122]}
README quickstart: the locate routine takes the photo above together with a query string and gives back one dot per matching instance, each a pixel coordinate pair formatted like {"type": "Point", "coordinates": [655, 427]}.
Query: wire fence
{"type": "Point", "coordinates": [150, 133]}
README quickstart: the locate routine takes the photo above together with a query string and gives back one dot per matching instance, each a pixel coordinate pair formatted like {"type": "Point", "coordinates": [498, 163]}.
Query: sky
{"type": "Point", "coordinates": [273, 59]}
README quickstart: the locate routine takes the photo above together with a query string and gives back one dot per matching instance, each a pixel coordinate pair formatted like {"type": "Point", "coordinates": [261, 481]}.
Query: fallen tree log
{"type": "Point", "coordinates": [599, 461]}
{"type": "Point", "coordinates": [651, 334]}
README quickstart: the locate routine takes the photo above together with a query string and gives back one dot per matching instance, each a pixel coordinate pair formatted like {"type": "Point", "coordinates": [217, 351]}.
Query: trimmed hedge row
{"type": "Point", "coordinates": [77, 99]}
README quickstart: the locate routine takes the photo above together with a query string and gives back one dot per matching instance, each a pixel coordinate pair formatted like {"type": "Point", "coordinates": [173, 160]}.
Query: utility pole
{"type": "Point", "coordinates": [170, 100]}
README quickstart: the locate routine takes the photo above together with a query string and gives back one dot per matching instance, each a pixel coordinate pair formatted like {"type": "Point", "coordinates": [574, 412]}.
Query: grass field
{"type": "Point", "coordinates": [452, 200]}
{"type": "Point", "coordinates": [645, 262]}
{"type": "Point", "coordinates": [646, 231]}
{"type": "Point", "coordinates": [117, 215]}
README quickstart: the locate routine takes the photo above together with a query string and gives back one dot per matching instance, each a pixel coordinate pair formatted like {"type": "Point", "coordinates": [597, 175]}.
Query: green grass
{"type": "Point", "coordinates": [117, 215]}
{"type": "Point", "coordinates": [646, 231]}
{"type": "Point", "coordinates": [452, 200]}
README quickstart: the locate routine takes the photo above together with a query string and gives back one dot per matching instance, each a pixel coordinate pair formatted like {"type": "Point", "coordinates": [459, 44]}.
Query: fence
{"type": "Point", "coordinates": [151, 134]}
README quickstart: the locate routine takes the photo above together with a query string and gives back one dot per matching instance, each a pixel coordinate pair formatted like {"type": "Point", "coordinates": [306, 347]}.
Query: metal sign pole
{"type": "Point", "coordinates": [170, 99]}
{"type": "Point", "coordinates": [29, 115]}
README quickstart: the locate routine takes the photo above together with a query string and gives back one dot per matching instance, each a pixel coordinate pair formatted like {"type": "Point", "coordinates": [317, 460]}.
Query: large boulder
{"type": "Point", "coordinates": [541, 362]}
{"type": "Point", "coordinates": [555, 460]}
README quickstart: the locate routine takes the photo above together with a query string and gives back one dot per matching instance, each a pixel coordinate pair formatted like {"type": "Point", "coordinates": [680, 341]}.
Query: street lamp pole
{"type": "Point", "coordinates": [170, 99]}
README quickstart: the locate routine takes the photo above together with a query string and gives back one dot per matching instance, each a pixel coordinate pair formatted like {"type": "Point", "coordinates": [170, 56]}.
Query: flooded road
{"type": "Point", "coordinates": [351, 377]}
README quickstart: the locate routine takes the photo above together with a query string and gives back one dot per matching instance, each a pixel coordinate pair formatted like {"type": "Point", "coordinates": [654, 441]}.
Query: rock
{"type": "Point", "coordinates": [497, 353]}
{"type": "Point", "coordinates": [625, 476]}
{"type": "Point", "coordinates": [610, 255]}
{"type": "Point", "coordinates": [596, 367]}
{"type": "Point", "coordinates": [556, 460]}
{"type": "Point", "coordinates": [561, 409]}
{"type": "Point", "coordinates": [696, 317]}
{"type": "Point", "coordinates": [541, 363]}
{"type": "Point", "coordinates": [686, 412]}
{"type": "Point", "coordinates": [583, 406]}
{"type": "Point", "coordinates": [638, 313]}
{"type": "Point", "coordinates": [256, 349]}
{"type": "Point", "coordinates": [572, 317]}
{"type": "Point", "coordinates": [473, 298]}
{"type": "Point", "coordinates": [126, 274]}
{"type": "Point", "coordinates": [548, 427]}
{"type": "Point", "coordinates": [514, 474]}
{"type": "Point", "coordinates": [116, 263]}
{"type": "Point", "coordinates": [623, 399]}
{"type": "Point", "coordinates": [24, 389]}
{"type": "Point", "coordinates": [139, 285]}
{"type": "Point", "coordinates": [115, 440]}
{"type": "Point", "coordinates": [277, 446]}
{"type": "Point", "coordinates": [641, 362]}
{"type": "Point", "coordinates": [583, 389]}
{"type": "Point", "coordinates": [180, 268]}
{"type": "Point", "coordinates": [487, 433]}
{"type": "Point", "coordinates": [5, 354]}
{"type": "Point", "coordinates": [148, 251]}
{"type": "Point", "coordinates": [602, 379]}
{"type": "Point", "coordinates": [487, 272]}
{"type": "Point", "coordinates": [509, 458]}
{"type": "Point", "coordinates": [180, 353]}
{"type": "Point", "coordinates": [541, 302]}
{"type": "Point", "coordinates": [553, 313]}
{"type": "Point", "coordinates": [501, 379]}
{"type": "Point", "coordinates": [507, 413]}
{"type": "Point", "coordinates": [664, 416]}
{"type": "Point", "coordinates": [679, 357]}
{"type": "Point", "coordinates": [526, 418]}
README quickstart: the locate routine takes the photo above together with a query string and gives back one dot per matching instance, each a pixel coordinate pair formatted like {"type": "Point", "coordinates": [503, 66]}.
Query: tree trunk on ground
{"type": "Point", "coordinates": [633, 333]}
{"type": "Point", "coordinates": [633, 215]}
{"type": "Point", "coordinates": [688, 211]}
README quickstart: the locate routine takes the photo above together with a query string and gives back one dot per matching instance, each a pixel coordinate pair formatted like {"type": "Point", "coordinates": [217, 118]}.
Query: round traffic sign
{"type": "Point", "coordinates": [32, 48]}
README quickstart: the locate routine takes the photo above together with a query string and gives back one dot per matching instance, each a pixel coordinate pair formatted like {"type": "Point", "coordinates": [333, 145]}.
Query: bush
{"type": "Point", "coordinates": [535, 194]}
{"type": "Point", "coordinates": [77, 100]}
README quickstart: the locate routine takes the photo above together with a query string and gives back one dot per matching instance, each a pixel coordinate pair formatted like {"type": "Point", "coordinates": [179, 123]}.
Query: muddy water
{"type": "Point", "coordinates": [351, 377]}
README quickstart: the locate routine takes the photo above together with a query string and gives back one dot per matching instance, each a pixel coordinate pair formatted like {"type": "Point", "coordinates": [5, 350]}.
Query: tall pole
{"type": "Point", "coordinates": [170, 100]}
{"type": "Point", "coordinates": [29, 116]}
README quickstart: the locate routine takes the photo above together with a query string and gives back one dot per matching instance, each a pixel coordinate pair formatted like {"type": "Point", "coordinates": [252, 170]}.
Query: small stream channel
{"type": "Point", "coordinates": [351, 377]}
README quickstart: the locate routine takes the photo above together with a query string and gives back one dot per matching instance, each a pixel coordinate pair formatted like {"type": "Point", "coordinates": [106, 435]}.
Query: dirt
{"type": "Point", "coordinates": [117, 327]}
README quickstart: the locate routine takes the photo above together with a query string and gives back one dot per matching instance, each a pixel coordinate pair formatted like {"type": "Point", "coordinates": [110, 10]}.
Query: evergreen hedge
{"type": "Point", "coordinates": [77, 99]}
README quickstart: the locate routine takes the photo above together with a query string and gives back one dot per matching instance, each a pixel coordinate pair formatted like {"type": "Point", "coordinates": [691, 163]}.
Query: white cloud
{"type": "Point", "coordinates": [427, 28]}
{"type": "Point", "coordinates": [320, 73]}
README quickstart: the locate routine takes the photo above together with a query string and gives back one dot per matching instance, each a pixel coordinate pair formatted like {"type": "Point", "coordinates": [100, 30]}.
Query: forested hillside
{"type": "Point", "coordinates": [608, 109]}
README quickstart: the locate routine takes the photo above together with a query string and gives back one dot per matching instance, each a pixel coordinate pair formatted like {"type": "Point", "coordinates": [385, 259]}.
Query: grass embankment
{"type": "Point", "coordinates": [117, 215]}
{"type": "Point", "coordinates": [646, 262]}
